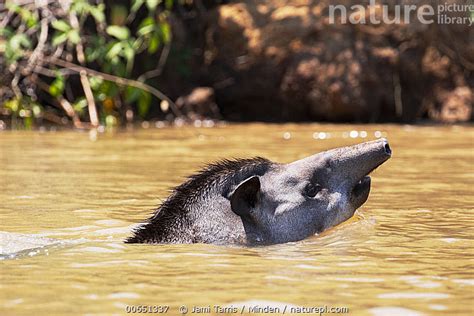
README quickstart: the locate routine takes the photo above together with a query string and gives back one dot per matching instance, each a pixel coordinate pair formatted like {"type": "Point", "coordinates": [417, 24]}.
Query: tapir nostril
{"type": "Point", "coordinates": [387, 148]}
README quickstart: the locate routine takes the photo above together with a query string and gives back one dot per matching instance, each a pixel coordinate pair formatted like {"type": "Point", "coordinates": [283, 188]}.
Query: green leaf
{"type": "Point", "coordinates": [119, 32]}
{"type": "Point", "coordinates": [165, 32]}
{"type": "Point", "coordinates": [147, 26]}
{"type": "Point", "coordinates": [154, 44]}
{"type": "Point", "coordinates": [19, 41]}
{"type": "Point", "coordinates": [115, 67]}
{"type": "Point", "coordinates": [128, 51]}
{"type": "Point", "coordinates": [152, 4]}
{"type": "Point", "coordinates": [12, 104]}
{"type": "Point", "coordinates": [59, 38]}
{"type": "Point", "coordinates": [31, 23]}
{"type": "Point", "coordinates": [98, 12]}
{"type": "Point", "coordinates": [144, 102]}
{"type": "Point", "coordinates": [11, 55]}
{"type": "Point", "coordinates": [137, 43]}
{"type": "Point", "coordinates": [136, 5]}
{"type": "Point", "coordinates": [108, 88]}
{"type": "Point", "coordinates": [73, 36]}
{"type": "Point", "coordinates": [26, 15]}
{"type": "Point", "coordinates": [6, 32]}
{"type": "Point", "coordinates": [57, 86]}
{"type": "Point", "coordinates": [29, 17]}
{"type": "Point", "coordinates": [60, 25]}
{"type": "Point", "coordinates": [114, 50]}
{"type": "Point", "coordinates": [132, 94]}
{"type": "Point", "coordinates": [14, 47]}
{"type": "Point", "coordinates": [79, 6]}
{"type": "Point", "coordinates": [96, 48]}
{"type": "Point", "coordinates": [80, 105]}
{"type": "Point", "coordinates": [142, 98]}
{"type": "Point", "coordinates": [95, 82]}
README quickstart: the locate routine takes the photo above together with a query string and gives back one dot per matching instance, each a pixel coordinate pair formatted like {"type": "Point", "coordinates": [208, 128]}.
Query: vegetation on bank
{"type": "Point", "coordinates": [90, 63]}
{"type": "Point", "coordinates": [80, 62]}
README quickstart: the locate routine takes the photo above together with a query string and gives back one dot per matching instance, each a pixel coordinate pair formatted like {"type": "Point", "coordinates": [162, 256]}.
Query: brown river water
{"type": "Point", "coordinates": [68, 200]}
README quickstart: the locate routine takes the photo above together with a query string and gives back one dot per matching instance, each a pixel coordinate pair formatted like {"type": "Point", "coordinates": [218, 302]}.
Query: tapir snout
{"type": "Point", "coordinates": [344, 174]}
{"type": "Point", "coordinates": [324, 189]}
{"type": "Point", "coordinates": [351, 162]}
{"type": "Point", "coordinates": [352, 165]}
{"type": "Point", "coordinates": [354, 162]}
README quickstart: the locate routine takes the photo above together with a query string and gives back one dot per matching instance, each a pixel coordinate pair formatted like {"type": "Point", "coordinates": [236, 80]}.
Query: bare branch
{"type": "Point", "coordinates": [38, 51]}
{"type": "Point", "coordinates": [6, 19]}
{"type": "Point", "coordinates": [65, 104]}
{"type": "Point", "coordinates": [161, 63]}
{"type": "Point", "coordinates": [53, 73]}
{"type": "Point", "coordinates": [14, 84]}
{"type": "Point", "coordinates": [70, 111]}
{"type": "Point", "coordinates": [90, 98]}
{"type": "Point", "coordinates": [84, 80]}
{"type": "Point", "coordinates": [79, 48]}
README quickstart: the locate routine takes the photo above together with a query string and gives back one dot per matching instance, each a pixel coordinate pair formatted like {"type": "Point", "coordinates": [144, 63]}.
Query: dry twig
{"type": "Point", "coordinates": [84, 80]}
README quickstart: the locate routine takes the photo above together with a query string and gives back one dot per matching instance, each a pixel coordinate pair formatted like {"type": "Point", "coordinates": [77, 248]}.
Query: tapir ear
{"type": "Point", "coordinates": [245, 196]}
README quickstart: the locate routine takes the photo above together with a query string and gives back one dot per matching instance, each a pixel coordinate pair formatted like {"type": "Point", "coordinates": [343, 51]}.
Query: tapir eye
{"type": "Point", "coordinates": [312, 189]}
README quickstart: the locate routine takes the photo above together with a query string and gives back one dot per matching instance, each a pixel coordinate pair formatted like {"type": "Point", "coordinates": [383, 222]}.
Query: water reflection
{"type": "Point", "coordinates": [406, 252]}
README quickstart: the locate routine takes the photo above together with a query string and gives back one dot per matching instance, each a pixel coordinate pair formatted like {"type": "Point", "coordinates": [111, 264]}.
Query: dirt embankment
{"type": "Point", "coordinates": [285, 60]}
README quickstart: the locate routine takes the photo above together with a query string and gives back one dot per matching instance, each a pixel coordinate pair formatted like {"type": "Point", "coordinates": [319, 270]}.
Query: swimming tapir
{"type": "Point", "coordinates": [257, 201]}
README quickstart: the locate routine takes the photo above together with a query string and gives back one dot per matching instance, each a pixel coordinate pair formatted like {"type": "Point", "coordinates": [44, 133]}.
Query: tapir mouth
{"type": "Point", "coordinates": [360, 192]}
{"type": "Point", "coordinates": [361, 189]}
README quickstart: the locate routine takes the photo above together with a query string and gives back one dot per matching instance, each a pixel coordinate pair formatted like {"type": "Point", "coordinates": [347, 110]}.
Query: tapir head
{"type": "Point", "coordinates": [293, 201]}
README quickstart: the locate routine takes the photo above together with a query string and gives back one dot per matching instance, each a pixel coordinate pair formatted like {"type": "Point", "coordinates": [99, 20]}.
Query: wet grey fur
{"type": "Point", "coordinates": [256, 201]}
{"type": "Point", "coordinates": [184, 217]}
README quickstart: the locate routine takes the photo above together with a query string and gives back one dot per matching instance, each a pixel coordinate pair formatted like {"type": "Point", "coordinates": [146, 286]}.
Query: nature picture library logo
{"type": "Point", "coordinates": [426, 12]}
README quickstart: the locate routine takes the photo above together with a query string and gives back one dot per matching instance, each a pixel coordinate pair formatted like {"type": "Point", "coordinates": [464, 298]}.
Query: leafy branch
{"type": "Point", "coordinates": [44, 45]}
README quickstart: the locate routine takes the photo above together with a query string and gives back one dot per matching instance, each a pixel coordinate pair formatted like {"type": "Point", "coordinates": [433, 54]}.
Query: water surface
{"type": "Point", "coordinates": [70, 198]}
